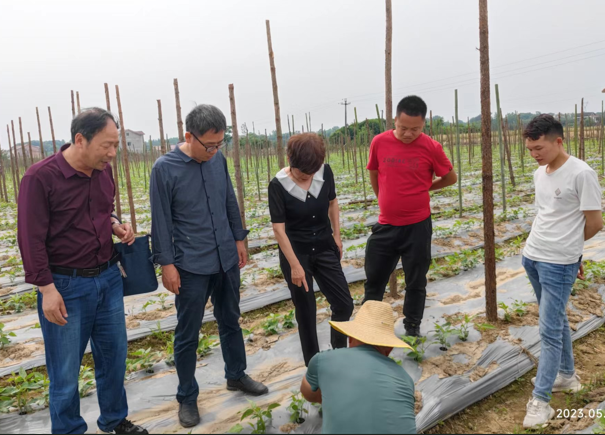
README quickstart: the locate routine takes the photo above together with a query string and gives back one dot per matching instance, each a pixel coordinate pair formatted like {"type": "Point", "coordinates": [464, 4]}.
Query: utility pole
{"type": "Point", "coordinates": [345, 103]}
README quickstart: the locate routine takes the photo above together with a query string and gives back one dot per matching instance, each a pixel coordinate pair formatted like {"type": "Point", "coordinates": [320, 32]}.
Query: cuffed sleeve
{"type": "Point", "coordinates": [235, 220]}
{"type": "Point", "coordinates": [160, 195]}
{"type": "Point", "coordinates": [33, 218]}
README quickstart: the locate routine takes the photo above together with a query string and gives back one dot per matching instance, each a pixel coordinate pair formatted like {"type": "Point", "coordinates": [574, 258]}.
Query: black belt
{"type": "Point", "coordinates": [85, 273]}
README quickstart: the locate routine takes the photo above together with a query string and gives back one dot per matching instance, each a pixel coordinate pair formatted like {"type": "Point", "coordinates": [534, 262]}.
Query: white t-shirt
{"type": "Point", "coordinates": [557, 235]}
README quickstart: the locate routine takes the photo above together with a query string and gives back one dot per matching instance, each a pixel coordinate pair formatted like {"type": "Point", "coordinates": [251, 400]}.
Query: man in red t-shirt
{"type": "Point", "coordinates": [402, 163]}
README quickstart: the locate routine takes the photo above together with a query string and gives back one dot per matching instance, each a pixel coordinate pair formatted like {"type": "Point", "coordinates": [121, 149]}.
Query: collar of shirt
{"type": "Point", "coordinates": [181, 154]}
{"type": "Point", "coordinates": [67, 170]}
{"type": "Point", "coordinates": [298, 192]}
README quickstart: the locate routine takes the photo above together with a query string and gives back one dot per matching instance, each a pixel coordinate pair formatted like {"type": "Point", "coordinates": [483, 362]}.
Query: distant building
{"type": "Point", "coordinates": [35, 152]}
{"type": "Point", "coordinates": [135, 140]}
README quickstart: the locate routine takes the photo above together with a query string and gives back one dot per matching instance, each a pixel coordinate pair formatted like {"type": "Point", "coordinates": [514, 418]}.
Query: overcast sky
{"type": "Point", "coordinates": [545, 55]}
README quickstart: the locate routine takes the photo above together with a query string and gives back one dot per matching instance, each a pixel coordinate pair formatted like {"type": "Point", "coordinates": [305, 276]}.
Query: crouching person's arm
{"type": "Point", "coordinates": [308, 393]}
{"type": "Point", "coordinates": [310, 384]}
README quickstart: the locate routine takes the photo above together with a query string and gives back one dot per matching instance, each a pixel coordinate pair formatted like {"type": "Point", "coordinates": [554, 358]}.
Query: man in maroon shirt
{"type": "Point", "coordinates": [401, 164]}
{"type": "Point", "coordinates": [65, 227]}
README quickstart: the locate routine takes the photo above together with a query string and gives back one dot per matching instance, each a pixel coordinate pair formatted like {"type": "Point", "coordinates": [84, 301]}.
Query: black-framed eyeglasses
{"type": "Point", "coordinates": [209, 148]}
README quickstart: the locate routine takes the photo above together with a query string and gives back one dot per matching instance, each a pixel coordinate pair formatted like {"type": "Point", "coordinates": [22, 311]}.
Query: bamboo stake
{"type": "Point", "coordinates": [4, 190]}
{"type": "Point", "coordinates": [582, 150]}
{"type": "Point", "coordinates": [23, 144]}
{"type": "Point", "coordinates": [522, 144]}
{"type": "Point", "coordinates": [15, 151]}
{"type": "Point", "coordinates": [40, 134]}
{"type": "Point", "coordinates": [115, 162]}
{"type": "Point", "coordinates": [470, 143]}
{"type": "Point", "coordinates": [14, 169]}
{"type": "Point", "coordinates": [508, 156]}
{"type": "Point", "coordinates": [459, 157]}
{"type": "Point", "coordinates": [78, 101]}
{"type": "Point", "coordinates": [501, 145]}
{"type": "Point", "coordinates": [491, 297]}
{"type": "Point", "coordinates": [575, 132]}
{"type": "Point", "coordinates": [31, 156]}
{"type": "Point", "coordinates": [388, 69]}
{"type": "Point", "coordinates": [161, 123]}
{"type": "Point", "coordinates": [236, 161]}
{"type": "Point", "coordinates": [602, 139]}
{"type": "Point", "coordinates": [268, 157]}
{"type": "Point", "coordinates": [248, 156]}
{"type": "Point", "coordinates": [179, 118]}
{"type": "Point", "coordinates": [133, 217]}
{"type": "Point", "coordinates": [73, 105]}
{"type": "Point", "coordinates": [431, 124]}
{"type": "Point", "coordinates": [280, 149]}
{"type": "Point", "coordinates": [52, 130]}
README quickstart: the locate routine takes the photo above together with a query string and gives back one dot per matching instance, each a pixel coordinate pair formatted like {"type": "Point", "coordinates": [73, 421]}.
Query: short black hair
{"type": "Point", "coordinates": [544, 125]}
{"type": "Point", "coordinates": [306, 152]}
{"type": "Point", "coordinates": [412, 106]}
{"type": "Point", "coordinates": [90, 122]}
{"type": "Point", "coordinates": [205, 118]}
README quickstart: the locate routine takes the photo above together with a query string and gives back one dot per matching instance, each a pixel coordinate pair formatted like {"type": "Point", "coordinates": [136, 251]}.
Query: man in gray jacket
{"type": "Point", "coordinates": [198, 239]}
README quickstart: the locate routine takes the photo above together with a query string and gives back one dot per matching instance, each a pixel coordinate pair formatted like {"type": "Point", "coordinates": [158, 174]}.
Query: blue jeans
{"type": "Point", "coordinates": [95, 309]}
{"type": "Point", "coordinates": [190, 305]}
{"type": "Point", "coordinates": [553, 284]}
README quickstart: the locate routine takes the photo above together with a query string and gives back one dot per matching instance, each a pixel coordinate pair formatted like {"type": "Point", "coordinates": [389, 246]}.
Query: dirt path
{"type": "Point", "coordinates": [504, 411]}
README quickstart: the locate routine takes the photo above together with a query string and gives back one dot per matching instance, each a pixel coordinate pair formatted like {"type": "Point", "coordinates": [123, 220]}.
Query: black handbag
{"type": "Point", "coordinates": [138, 272]}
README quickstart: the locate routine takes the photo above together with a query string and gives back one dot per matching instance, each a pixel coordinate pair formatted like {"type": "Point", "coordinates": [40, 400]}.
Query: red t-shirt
{"type": "Point", "coordinates": [405, 175]}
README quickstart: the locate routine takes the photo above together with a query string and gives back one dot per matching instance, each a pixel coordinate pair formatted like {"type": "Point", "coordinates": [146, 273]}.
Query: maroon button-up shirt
{"type": "Point", "coordinates": [64, 218]}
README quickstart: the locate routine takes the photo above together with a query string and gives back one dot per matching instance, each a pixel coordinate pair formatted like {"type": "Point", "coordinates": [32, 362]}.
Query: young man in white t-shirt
{"type": "Point", "coordinates": [568, 202]}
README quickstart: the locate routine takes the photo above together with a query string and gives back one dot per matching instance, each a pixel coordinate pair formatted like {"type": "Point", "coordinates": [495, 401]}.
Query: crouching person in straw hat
{"type": "Point", "coordinates": [361, 389]}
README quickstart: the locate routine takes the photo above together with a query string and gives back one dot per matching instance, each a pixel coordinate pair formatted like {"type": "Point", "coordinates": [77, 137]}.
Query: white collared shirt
{"type": "Point", "coordinates": [298, 192]}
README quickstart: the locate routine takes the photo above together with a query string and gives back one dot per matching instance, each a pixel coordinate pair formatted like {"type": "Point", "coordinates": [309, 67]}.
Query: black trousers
{"type": "Point", "coordinates": [411, 243]}
{"type": "Point", "coordinates": [325, 267]}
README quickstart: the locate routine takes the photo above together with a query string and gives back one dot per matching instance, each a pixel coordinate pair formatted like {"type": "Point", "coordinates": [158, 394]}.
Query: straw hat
{"type": "Point", "coordinates": [373, 325]}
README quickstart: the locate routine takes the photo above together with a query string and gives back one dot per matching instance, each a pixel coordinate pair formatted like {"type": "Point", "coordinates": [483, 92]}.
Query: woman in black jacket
{"type": "Point", "coordinates": [306, 222]}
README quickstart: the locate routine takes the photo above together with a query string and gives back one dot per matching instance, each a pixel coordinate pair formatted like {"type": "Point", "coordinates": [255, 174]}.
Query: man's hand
{"type": "Point", "coordinates": [53, 305]}
{"type": "Point", "coordinates": [171, 279]}
{"type": "Point", "coordinates": [242, 253]}
{"type": "Point", "coordinates": [338, 241]}
{"type": "Point", "coordinates": [124, 233]}
{"type": "Point", "coordinates": [581, 273]}
{"type": "Point", "coordinates": [299, 278]}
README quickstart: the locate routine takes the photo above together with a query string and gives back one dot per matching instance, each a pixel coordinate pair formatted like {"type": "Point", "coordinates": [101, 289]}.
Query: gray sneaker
{"type": "Point", "coordinates": [538, 413]}
{"type": "Point", "coordinates": [563, 384]}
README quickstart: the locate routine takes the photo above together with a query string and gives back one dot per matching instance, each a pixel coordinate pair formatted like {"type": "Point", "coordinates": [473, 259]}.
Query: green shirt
{"type": "Point", "coordinates": [363, 392]}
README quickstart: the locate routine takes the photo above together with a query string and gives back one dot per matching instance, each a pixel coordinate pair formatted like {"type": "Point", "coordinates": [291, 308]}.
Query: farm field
{"type": "Point", "coordinates": [455, 307]}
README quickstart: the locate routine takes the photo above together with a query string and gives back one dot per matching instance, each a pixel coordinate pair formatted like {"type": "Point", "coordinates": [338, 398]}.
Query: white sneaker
{"type": "Point", "coordinates": [538, 413]}
{"type": "Point", "coordinates": [563, 384]}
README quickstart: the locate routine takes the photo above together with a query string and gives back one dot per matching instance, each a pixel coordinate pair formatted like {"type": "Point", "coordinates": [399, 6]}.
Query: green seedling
{"type": "Point", "coordinates": [259, 416]}
{"type": "Point", "coordinates": [271, 325]}
{"type": "Point", "coordinates": [170, 351]}
{"type": "Point", "coordinates": [163, 297]}
{"type": "Point", "coordinates": [297, 408]}
{"type": "Point", "coordinates": [289, 320]}
{"type": "Point", "coordinates": [145, 360]}
{"type": "Point", "coordinates": [86, 381]}
{"type": "Point", "coordinates": [147, 304]}
{"type": "Point", "coordinates": [463, 331]}
{"type": "Point", "coordinates": [206, 344]}
{"type": "Point", "coordinates": [482, 327]}
{"type": "Point", "coordinates": [274, 272]}
{"type": "Point", "coordinates": [418, 345]}
{"type": "Point", "coordinates": [5, 337]}
{"type": "Point", "coordinates": [21, 385]}
{"type": "Point", "coordinates": [518, 308]}
{"type": "Point", "coordinates": [443, 333]}
{"type": "Point", "coordinates": [398, 361]}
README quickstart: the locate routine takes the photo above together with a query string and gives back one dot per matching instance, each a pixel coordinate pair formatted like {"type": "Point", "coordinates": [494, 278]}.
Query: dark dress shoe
{"type": "Point", "coordinates": [247, 385]}
{"type": "Point", "coordinates": [189, 415]}
{"type": "Point", "coordinates": [126, 427]}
